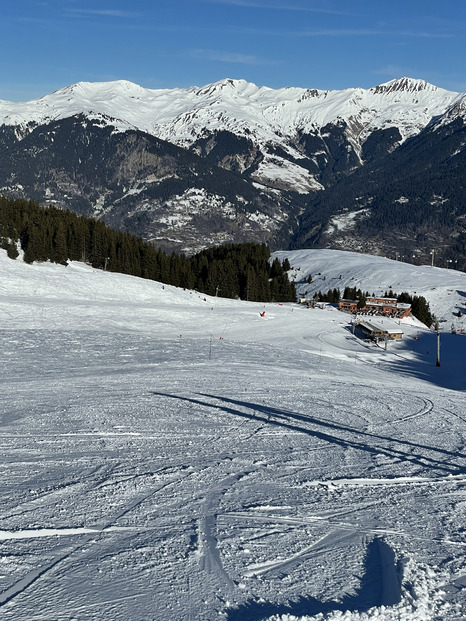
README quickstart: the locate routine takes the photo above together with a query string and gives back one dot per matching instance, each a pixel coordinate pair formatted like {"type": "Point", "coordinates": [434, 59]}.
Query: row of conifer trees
{"type": "Point", "coordinates": [52, 234]}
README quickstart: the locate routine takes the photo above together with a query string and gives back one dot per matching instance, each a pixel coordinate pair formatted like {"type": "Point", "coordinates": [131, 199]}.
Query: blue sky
{"type": "Point", "coordinates": [325, 44]}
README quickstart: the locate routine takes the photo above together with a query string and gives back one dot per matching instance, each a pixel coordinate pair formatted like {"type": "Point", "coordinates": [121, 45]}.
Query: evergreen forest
{"type": "Point", "coordinates": [51, 234]}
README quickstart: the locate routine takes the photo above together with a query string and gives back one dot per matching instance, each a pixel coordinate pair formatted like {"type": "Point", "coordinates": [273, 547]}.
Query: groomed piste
{"type": "Point", "coordinates": [171, 456]}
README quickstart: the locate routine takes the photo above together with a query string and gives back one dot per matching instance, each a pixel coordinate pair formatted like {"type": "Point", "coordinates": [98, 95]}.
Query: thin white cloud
{"type": "Point", "coordinates": [394, 71]}
{"type": "Point", "coordinates": [278, 6]}
{"type": "Point", "coordinates": [228, 57]}
{"type": "Point", "coordinates": [339, 32]}
{"type": "Point", "coordinates": [427, 35]}
{"type": "Point", "coordinates": [371, 32]}
{"type": "Point", "coordinates": [104, 12]}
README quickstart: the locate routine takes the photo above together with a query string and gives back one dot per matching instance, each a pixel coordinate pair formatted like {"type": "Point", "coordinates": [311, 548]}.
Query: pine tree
{"type": "Point", "coordinates": [59, 252]}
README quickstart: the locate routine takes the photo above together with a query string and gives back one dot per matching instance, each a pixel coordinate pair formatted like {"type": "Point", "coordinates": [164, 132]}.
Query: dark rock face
{"type": "Point", "coordinates": [405, 203]}
{"type": "Point", "coordinates": [138, 183]}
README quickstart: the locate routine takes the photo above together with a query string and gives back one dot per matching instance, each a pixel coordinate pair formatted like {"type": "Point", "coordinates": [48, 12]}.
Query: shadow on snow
{"type": "Point", "coordinates": [423, 365]}
{"type": "Point", "coordinates": [421, 455]}
{"type": "Point", "coordinates": [450, 374]}
{"type": "Point", "coordinates": [380, 586]}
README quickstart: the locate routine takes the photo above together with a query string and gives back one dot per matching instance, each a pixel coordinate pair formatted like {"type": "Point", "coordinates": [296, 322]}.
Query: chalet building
{"type": "Point", "coordinates": [378, 332]}
{"type": "Point", "coordinates": [389, 307]}
{"type": "Point", "coordinates": [391, 301]}
{"type": "Point", "coordinates": [350, 306]}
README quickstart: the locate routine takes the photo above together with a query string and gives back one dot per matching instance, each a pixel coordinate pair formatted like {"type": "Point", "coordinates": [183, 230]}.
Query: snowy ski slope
{"type": "Point", "coordinates": [171, 456]}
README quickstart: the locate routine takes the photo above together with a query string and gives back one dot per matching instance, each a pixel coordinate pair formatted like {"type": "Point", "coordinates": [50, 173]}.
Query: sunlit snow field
{"type": "Point", "coordinates": [171, 456]}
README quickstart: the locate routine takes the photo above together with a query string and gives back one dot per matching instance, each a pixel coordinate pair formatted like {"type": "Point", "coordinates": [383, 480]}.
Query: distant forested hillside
{"type": "Point", "coordinates": [405, 203]}
{"type": "Point", "coordinates": [57, 235]}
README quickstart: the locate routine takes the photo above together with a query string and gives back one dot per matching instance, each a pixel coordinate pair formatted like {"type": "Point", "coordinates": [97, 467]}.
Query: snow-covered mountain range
{"type": "Point", "coordinates": [267, 116]}
{"type": "Point", "coordinates": [282, 148]}
{"type": "Point", "coordinates": [182, 116]}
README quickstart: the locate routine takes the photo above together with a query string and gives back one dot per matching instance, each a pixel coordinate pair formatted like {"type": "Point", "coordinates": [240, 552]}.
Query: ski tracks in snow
{"type": "Point", "coordinates": [209, 559]}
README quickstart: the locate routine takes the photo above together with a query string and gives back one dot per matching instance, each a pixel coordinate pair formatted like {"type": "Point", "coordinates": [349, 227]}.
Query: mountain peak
{"type": "Point", "coordinates": [224, 86]}
{"type": "Point", "coordinates": [405, 85]}
{"type": "Point", "coordinates": [112, 88]}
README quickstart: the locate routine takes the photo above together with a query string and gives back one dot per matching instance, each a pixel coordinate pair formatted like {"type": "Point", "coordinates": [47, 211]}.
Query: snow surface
{"type": "Point", "coordinates": [171, 456]}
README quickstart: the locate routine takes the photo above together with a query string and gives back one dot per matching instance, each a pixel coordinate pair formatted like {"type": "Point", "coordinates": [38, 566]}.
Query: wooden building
{"type": "Point", "coordinates": [389, 307]}
{"type": "Point", "coordinates": [378, 332]}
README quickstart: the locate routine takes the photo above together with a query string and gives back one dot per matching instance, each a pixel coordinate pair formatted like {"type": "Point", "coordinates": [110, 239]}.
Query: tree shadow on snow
{"type": "Point", "coordinates": [380, 586]}
{"type": "Point", "coordinates": [427, 457]}
{"type": "Point", "coordinates": [423, 365]}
